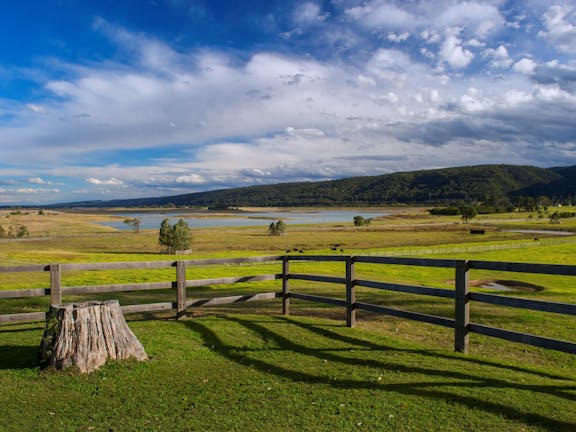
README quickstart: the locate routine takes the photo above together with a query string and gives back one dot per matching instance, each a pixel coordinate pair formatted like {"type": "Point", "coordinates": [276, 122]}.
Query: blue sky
{"type": "Point", "coordinates": [122, 99]}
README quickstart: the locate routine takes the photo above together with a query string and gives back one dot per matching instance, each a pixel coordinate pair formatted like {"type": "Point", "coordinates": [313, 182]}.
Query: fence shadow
{"type": "Point", "coordinates": [443, 387]}
{"type": "Point", "coordinates": [19, 356]}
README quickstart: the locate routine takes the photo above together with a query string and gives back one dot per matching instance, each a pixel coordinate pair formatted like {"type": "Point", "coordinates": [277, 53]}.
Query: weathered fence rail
{"type": "Point", "coordinates": [462, 295]}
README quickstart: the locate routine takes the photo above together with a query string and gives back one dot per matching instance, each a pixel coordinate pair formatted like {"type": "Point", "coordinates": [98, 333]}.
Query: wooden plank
{"type": "Point", "coordinates": [96, 289]}
{"type": "Point", "coordinates": [24, 268]}
{"type": "Point", "coordinates": [524, 338]}
{"type": "Point", "coordinates": [317, 278]}
{"type": "Point", "coordinates": [553, 269]}
{"type": "Point", "coordinates": [318, 299]}
{"type": "Point", "coordinates": [411, 289]}
{"type": "Point", "coordinates": [231, 280]}
{"type": "Point", "coordinates": [215, 261]}
{"type": "Point", "coordinates": [538, 305]}
{"type": "Point", "coordinates": [22, 317]}
{"type": "Point", "coordinates": [414, 316]}
{"type": "Point", "coordinates": [34, 292]}
{"type": "Point", "coordinates": [118, 265]}
{"type": "Point", "coordinates": [317, 257]}
{"type": "Point", "coordinates": [232, 299]}
{"type": "Point", "coordinates": [148, 307]}
{"type": "Point", "coordinates": [425, 262]}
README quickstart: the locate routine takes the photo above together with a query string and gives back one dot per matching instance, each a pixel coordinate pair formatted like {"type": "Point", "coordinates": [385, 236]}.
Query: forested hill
{"type": "Point", "coordinates": [440, 186]}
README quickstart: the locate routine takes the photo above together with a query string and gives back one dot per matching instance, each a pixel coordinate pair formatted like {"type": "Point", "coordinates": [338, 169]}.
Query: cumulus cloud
{"type": "Point", "coordinates": [453, 52]}
{"type": "Point", "coordinates": [559, 21]}
{"type": "Point", "coordinates": [37, 180]}
{"type": "Point", "coordinates": [191, 179]}
{"type": "Point", "coordinates": [110, 182]}
{"type": "Point", "coordinates": [309, 13]}
{"type": "Point", "coordinates": [401, 37]}
{"type": "Point", "coordinates": [525, 66]}
{"type": "Point", "coordinates": [499, 57]}
{"type": "Point", "coordinates": [211, 118]}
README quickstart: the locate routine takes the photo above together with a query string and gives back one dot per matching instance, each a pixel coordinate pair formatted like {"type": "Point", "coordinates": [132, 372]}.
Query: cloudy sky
{"type": "Point", "coordinates": [113, 99]}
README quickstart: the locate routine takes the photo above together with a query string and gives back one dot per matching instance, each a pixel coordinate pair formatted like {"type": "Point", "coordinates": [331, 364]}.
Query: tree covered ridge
{"type": "Point", "coordinates": [482, 183]}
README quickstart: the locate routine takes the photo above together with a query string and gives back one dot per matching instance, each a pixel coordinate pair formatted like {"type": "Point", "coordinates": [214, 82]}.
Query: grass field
{"type": "Point", "coordinates": [253, 373]}
{"type": "Point", "coordinates": [244, 367]}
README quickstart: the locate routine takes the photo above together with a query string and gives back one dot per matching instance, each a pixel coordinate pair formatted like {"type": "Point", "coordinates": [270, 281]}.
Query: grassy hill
{"type": "Point", "coordinates": [440, 186]}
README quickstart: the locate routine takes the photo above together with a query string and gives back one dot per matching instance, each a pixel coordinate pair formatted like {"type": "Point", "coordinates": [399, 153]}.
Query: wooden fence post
{"type": "Point", "coordinates": [180, 289]}
{"type": "Point", "coordinates": [285, 286]}
{"type": "Point", "coordinates": [55, 284]}
{"type": "Point", "coordinates": [350, 293]}
{"type": "Point", "coordinates": [462, 307]}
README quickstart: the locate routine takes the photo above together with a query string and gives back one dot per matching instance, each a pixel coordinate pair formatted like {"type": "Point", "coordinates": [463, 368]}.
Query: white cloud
{"type": "Point", "coordinates": [499, 57]}
{"type": "Point", "coordinates": [401, 37]}
{"type": "Point", "coordinates": [28, 191]}
{"type": "Point", "coordinates": [381, 14]}
{"type": "Point", "coordinates": [36, 108]}
{"type": "Point", "coordinates": [525, 66]}
{"type": "Point", "coordinates": [191, 179]}
{"type": "Point", "coordinates": [110, 182]}
{"type": "Point", "coordinates": [270, 117]}
{"type": "Point", "coordinates": [452, 51]}
{"type": "Point", "coordinates": [479, 18]}
{"type": "Point", "coordinates": [559, 21]}
{"type": "Point", "coordinates": [37, 180]}
{"type": "Point", "coordinates": [308, 13]}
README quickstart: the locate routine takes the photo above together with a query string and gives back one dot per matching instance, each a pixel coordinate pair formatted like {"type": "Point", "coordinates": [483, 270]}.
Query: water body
{"type": "Point", "coordinates": [151, 220]}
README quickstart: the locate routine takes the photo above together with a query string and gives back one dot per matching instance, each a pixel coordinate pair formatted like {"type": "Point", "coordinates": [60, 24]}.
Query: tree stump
{"type": "Point", "coordinates": [86, 335]}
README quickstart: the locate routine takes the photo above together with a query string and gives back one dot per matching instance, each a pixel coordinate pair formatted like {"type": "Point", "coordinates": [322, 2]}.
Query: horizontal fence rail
{"type": "Point", "coordinates": [461, 296]}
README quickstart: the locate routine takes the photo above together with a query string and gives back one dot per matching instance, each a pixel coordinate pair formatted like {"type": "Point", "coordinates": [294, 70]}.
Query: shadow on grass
{"type": "Point", "coordinates": [18, 357]}
{"type": "Point", "coordinates": [443, 384]}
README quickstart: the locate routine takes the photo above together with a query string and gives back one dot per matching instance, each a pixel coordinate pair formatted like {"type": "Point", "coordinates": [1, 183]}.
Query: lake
{"type": "Point", "coordinates": [150, 220]}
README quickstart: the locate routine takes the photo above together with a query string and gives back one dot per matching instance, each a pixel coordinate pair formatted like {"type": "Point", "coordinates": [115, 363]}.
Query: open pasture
{"type": "Point", "coordinates": [243, 367]}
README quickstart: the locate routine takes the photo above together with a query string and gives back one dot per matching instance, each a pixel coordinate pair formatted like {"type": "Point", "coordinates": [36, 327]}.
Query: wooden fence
{"type": "Point", "coordinates": [462, 295]}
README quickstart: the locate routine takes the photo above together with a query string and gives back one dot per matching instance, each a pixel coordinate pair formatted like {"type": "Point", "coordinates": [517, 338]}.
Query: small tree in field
{"type": "Point", "coordinates": [278, 228]}
{"type": "Point", "coordinates": [361, 221]}
{"type": "Point", "coordinates": [165, 236]}
{"type": "Point", "coordinates": [134, 223]}
{"type": "Point", "coordinates": [174, 238]}
{"type": "Point", "coordinates": [468, 212]}
{"type": "Point", "coordinates": [22, 232]}
{"type": "Point", "coordinates": [181, 238]}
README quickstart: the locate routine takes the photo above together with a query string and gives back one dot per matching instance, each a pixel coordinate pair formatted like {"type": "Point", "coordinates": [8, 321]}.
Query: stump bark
{"type": "Point", "coordinates": [86, 335]}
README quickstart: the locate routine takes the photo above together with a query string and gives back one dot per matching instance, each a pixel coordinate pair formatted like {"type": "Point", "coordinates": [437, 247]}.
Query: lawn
{"type": "Point", "coordinates": [244, 367]}
{"type": "Point", "coordinates": [241, 372]}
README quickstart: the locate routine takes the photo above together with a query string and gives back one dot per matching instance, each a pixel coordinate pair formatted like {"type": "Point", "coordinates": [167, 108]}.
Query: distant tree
{"type": "Point", "coordinates": [361, 221]}
{"type": "Point", "coordinates": [555, 218]}
{"type": "Point", "coordinates": [41, 212]}
{"type": "Point", "coordinates": [181, 237]}
{"type": "Point", "coordinates": [22, 232]}
{"type": "Point", "coordinates": [444, 211]}
{"type": "Point", "coordinates": [134, 223]}
{"type": "Point", "coordinates": [165, 235]}
{"type": "Point", "coordinates": [278, 228]}
{"type": "Point", "coordinates": [468, 212]}
{"type": "Point", "coordinates": [174, 238]}
{"type": "Point", "coordinates": [2, 232]}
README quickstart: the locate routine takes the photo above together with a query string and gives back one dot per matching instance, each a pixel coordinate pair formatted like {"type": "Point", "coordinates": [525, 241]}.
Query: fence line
{"type": "Point", "coordinates": [475, 248]}
{"type": "Point", "coordinates": [461, 295]}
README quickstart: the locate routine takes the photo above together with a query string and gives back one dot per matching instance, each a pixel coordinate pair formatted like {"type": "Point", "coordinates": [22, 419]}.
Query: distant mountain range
{"type": "Point", "coordinates": [480, 183]}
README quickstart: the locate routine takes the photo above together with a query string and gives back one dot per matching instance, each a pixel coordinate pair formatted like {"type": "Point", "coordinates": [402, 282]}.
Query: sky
{"type": "Point", "coordinates": [112, 99]}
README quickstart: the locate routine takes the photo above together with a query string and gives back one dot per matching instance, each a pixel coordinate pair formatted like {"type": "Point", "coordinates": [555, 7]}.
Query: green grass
{"type": "Point", "coordinates": [225, 370]}
{"type": "Point", "coordinates": [253, 373]}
